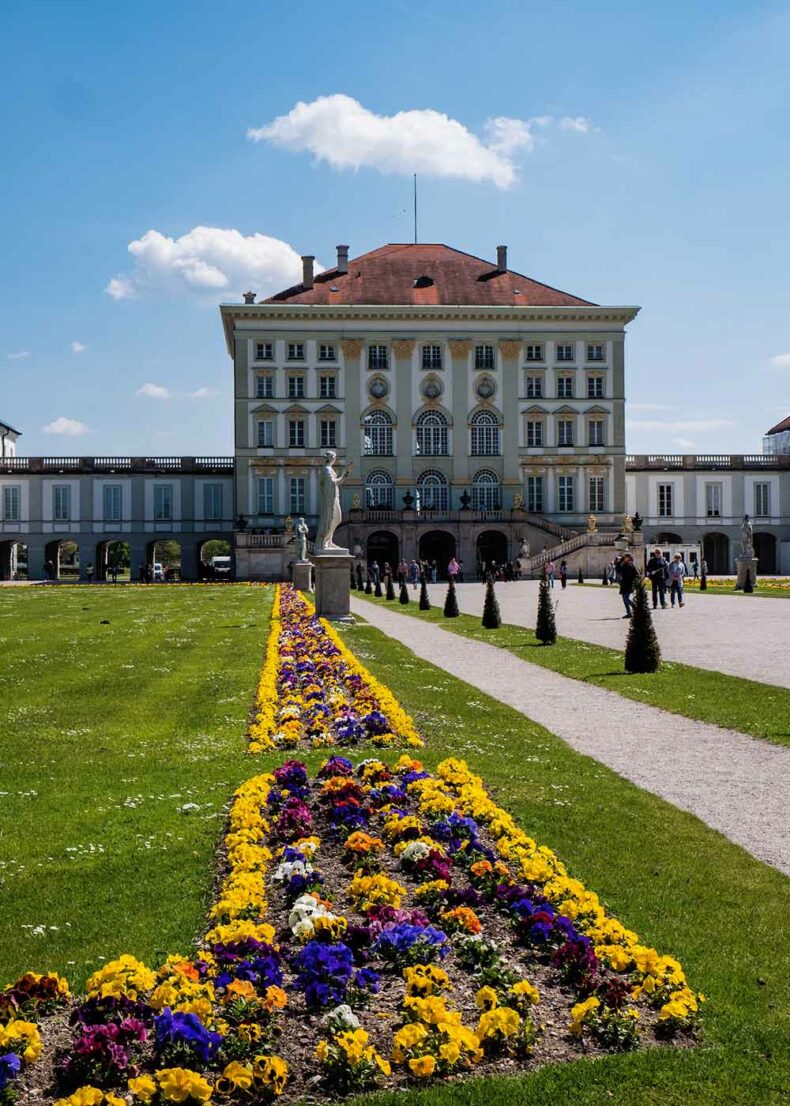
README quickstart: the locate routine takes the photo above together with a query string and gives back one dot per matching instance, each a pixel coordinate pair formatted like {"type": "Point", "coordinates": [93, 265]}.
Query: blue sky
{"type": "Point", "coordinates": [641, 157]}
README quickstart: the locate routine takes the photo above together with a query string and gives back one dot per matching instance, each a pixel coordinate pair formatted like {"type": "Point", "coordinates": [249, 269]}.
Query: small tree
{"type": "Point", "coordinates": [369, 587]}
{"type": "Point", "coordinates": [492, 619]}
{"type": "Point", "coordinates": [425, 603]}
{"type": "Point", "coordinates": [359, 577]}
{"type": "Point", "coordinates": [580, 577]}
{"type": "Point", "coordinates": [390, 593]}
{"type": "Point", "coordinates": [377, 590]}
{"type": "Point", "coordinates": [403, 597]}
{"type": "Point", "coordinates": [352, 583]}
{"type": "Point", "coordinates": [642, 652]}
{"type": "Point", "coordinates": [748, 586]}
{"type": "Point", "coordinates": [605, 577]}
{"type": "Point", "coordinates": [703, 582]}
{"type": "Point", "coordinates": [546, 627]}
{"type": "Point", "coordinates": [451, 601]}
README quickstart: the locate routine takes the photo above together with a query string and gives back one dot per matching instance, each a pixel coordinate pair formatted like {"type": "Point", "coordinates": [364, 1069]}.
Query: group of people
{"type": "Point", "coordinates": [414, 571]}
{"type": "Point", "coordinates": [495, 570]}
{"type": "Point", "coordinates": [666, 576]}
{"type": "Point", "coordinates": [552, 573]}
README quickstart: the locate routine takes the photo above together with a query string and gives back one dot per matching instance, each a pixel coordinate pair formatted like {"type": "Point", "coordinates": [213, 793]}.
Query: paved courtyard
{"type": "Point", "coordinates": [736, 634]}
{"type": "Point", "coordinates": [730, 781]}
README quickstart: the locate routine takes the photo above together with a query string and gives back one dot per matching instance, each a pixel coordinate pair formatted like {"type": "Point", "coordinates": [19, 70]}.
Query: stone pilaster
{"type": "Point", "coordinates": [402, 350]}
{"type": "Point", "coordinates": [510, 350]}
{"type": "Point", "coordinates": [459, 351]}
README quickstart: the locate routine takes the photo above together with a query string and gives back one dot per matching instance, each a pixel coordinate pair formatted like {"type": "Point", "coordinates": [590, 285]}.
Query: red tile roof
{"type": "Point", "coordinates": [388, 275]}
{"type": "Point", "coordinates": [780, 426]}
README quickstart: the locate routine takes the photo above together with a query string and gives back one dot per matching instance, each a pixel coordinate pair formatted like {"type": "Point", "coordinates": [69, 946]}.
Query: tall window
{"type": "Point", "coordinates": [596, 489]}
{"type": "Point", "coordinates": [535, 494]}
{"type": "Point", "coordinates": [295, 351]}
{"type": "Point", "coordinates": [564, 387]}
{"type": "Point", "coordinates": [61, 503]}
{"type": "Point", "coordinates": [112, 502]}
{"type": "Point", "coordinates": [328, 433]}
{"type": "Point", "coordinates": [665, 500]}
{"type": "Point", "coordinates": [11, 503]}
{"type": "Point", "coordinates": [377, 434]}
{"type": "Point", "coordinates": [379, 490]}
{"type": "Point", "coordinates": [485, 434]}
{"type": "Point", "coordinates": [265, 433]}
{"type": "Point", "coordinates": [377, 357]}
{"type": "Point", "coordinates": [535, 432]}
{"type": "Point", "coordinates": [595, 387]}
{"type": "Point", "coordinates": [484, 357]}
{"type": "Point", "coordinates": [264, 351]}
{"type": "Point", "coordinates": [432, 434]}
{"type": "Point", "coordinates": [594, 351]}
{"type": "Point", "coordinates": [296, 387]}
{"type": "Point", "coordinates": [565, 431]}
{"type": "Point", "coordinates": [534, 387]}
{"type": "Point", "coordinates": [264, 387]}
{"type": "Point", "coordinates": [265, 495]}
{"type": "Point", "coordinates": [431, 357]}
{"type": "Point", "coordinates": [296, 495]}
{"type": "Point", "coordinates": [762, 499]}
{"type": "Point", "coordinates": [295, 433]}
{"type": "Point", "coordinates": [327, 387]}
{"type": "Point", "coordinates": [566, 493]}
{"type": "Point", "coordinates": [212, 502]}
{"type": "Point", "coordinates": [713, 500]}
{"type": "Point", "coordinates": [432, 489]}
{"type": "Point", "coordinates": [534, 352]}
{"type": "Point", "coordinates": [327, 352]}
{"type": "Point", "coordinates": [485, 491]}
{"type": "Point", "coordinates": [595, 432]}
{"type": "Point", "coordinates": [566, 352]}
{"type": "Point", "coordinates": [163, 502]}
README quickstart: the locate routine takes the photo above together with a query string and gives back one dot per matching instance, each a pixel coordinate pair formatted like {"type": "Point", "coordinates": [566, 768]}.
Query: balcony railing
{"type": "Point", "coordinates": [733, 461]}
{"type": "Point", "coordinates": [87, 465]}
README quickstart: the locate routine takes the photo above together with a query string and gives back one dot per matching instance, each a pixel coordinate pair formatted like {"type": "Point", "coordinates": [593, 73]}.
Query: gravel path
{"type": "Point", "coordinates": [734, 783]}
{"type": "Point", "coordinates": [736, 634]}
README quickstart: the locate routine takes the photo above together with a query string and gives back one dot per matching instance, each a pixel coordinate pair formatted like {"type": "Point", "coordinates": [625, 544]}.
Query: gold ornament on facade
{"type": "Point", "coordinates": [628, 524]}
{"type": "Point", "coordinates": [356, 501]}
{"type": "Point", "coordinates": [510, 349]}
{"type": "Point", "coordinates": [289, 525]}
{"type": "Point", "coordinates": [518, 502]}
{"type": "Point", "coordinates": [459, 347]}
{"type": "Point", "coordinates": [351, 347]}
{"type": "Point", "coordinates": [592, 524]}
{"type": "Point", "coordinates": [403, 347]}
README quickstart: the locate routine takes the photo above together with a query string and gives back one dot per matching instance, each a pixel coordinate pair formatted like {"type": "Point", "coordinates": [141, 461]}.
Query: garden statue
{"type": "Point", "coordinates": [356, 501]}
{"type": "Point", "coordinates": [518, 502]}
{"type": "Point", "coordinates": [329, 483]}
{"type": "Point", "coordinates": [592, 525]}
{"type": "Point", "coordinates": [301, 539]}
{"type": "Point", "coordinates": [524, 552]}
{"type": "Point", "coordinates": [628, 525]}
{"type": "Point", "coordinates": [747, 538]}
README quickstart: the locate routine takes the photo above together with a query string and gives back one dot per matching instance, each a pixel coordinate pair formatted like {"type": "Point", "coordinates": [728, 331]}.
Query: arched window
{"type": "Point", "coordinates": [432, 434]}
{"type": "Point", "coordinates": [485, 434]}
{"type": "Point", "coordinates": [432, 491]}
{"type": "Point", "coordinates": [485, 491]}
{"type": "Point", "coordinates": [378, 489]}
{"type": "Point", "coordinates": [377, 434]}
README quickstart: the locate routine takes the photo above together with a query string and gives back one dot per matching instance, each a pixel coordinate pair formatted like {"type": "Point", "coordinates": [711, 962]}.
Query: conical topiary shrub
{"type": "Point", "coordinates": [451, 601]}
{"type": "Point", "coordinates": [352, 582]}
{"type": "Point", "coordinates": [425, 603]}
{"type": "Point", "coordinates": [605, 578]}
{"type": "Point", "coordinates": [390, 592]}
{"type": "Point", "coordinates": [642, 652]}
{"type": "Point", "coordinates": [359, 577]}
{"type": "Point", "coordinates": [703, 582]}
{"type": "Point", "coordinates": [403, 596]}
{"type": "Point", "coordinates": [369, 587]}
{"type": "Point", "coordinates": [546, 627]}
{"type": "Point", "coordinates": [748, 586]}
{"type": "Point", "coordinates": [580, 577]}
{"type": "Point", "coordinates": [377, 590]}
{"type": "Point", "coordinates": [492, 619]}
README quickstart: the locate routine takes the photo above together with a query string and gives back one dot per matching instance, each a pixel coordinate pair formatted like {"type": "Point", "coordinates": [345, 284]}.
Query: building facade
{"type": "Point", "coordinates": [477, 407]}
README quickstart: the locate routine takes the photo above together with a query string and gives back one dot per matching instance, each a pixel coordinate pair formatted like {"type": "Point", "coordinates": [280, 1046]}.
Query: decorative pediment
{"type": "Point", "coordinates": [596, 410]}
{"type": "Point", "coordinates": [535, 409]}
{"type": "Point", "coordinates": [296, 409]}
{"type": "Point", "coordinates": [264, 409]}
{"type": "Point", "coordinates": [566, 410]}
{"type": "Point", "coordinates": [329, 409]}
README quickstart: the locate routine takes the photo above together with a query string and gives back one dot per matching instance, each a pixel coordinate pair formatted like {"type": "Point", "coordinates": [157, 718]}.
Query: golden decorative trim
{"type": "Point", "coordinates": [403, 347]}
{"type": "Point", "coordinates": [510, 348]}
{"type": "Point", "coordinates": [460, 347]}
{"type": "Point", "coordinates": [351, 347]}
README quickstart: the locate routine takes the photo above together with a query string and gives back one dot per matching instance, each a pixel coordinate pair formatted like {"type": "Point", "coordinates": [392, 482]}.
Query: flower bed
{"type": "Point", "coordinates": [313, 691]}
{"type": "Point", "coordinates": [771, 583]}
{"type": "Point", "coordinates": [374, 926]}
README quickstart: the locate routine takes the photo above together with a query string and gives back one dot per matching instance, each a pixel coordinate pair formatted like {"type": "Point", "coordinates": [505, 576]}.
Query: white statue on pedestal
{"type": "Point", "coordinates": [301, 539]}
{"type": "Point", "coordinates": [524, 551]}
{"type": "Point", "coordinates": [330, 514]}
{"type": "Point", "coordinates": [747, 538]}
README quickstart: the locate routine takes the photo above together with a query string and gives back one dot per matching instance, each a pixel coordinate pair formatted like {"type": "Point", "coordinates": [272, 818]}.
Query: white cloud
{"type": "Point", "coordinates": [683, 443]}
{"type": "Point", "coordinates": [578, 123]}
{"type": "Point", "coordinates": [71, 428]}
{"type": "Point", "coordinates": [78, 347]}
{"type": "Point", "coordinates": [339, 130]}
{"type": "Point", "coordinates": [781, 361]}
{"type": "Point", "coordinates": [207, 259]}
{"type": "Point", "coordinates": [689, 426]}
{"type": "Point", "coordinates": [203, 393]}
{"type": "Point", "coordinates": [19, 355]}
{"type": "Point", "coordinates": [153, 391]}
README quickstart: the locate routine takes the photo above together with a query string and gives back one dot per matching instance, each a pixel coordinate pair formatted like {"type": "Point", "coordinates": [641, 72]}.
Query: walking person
{"type": "Point", "coordinates": [414, 574]}
{"type": "Point", "coordinates": [696, 571]}
{"type": "Point", "coordinates": [434, 572]}
{"type": "Point", "coordinates": [564, 574]}
{"type": "Point", "coordinates": [629, 579]}
{"type": "Point", "coordinates": [517, 569]}
{"type": "Point", "coordinates": [453, 568]}
{"type": "Point", "coordinates": [677, 574]}
{"type": "Point", "coordinates": [551, 570]}
{"type": "Point", "coordinates": [658, 571]}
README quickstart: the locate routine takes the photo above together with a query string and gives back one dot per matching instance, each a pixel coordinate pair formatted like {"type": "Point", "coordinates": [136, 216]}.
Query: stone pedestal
{"type": "Point", "coordinates": [745, 565]}
{"type": "Point", "coordinates": [302, 576]}
{"type": "Point", "coordinates": [332, 590]}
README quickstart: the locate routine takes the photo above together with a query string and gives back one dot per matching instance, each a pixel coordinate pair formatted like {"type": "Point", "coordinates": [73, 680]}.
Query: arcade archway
{"type": "Point", "coordinates": [765, 552]}
{"type": "Point", "coordinates": [716, 552]}
{"type": "Point", "coordinates": [491, 546]}
{"type": "Point", "coordinates": [383, 547]}
{"type": "Point", "coordinates": [439, 546]}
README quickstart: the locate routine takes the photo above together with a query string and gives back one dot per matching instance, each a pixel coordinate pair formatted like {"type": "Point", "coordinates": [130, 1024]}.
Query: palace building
{"type": "Point", "coordinates": [478, 407]}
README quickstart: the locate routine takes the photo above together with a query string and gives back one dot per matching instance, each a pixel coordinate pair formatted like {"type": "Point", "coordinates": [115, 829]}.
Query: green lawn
{"type": "Point", "coordinates": [108, 731]}
{"type": "Point", "coordinates": [762, 592]}
{"type": "Point", "coordinates": [761, 710]}
{"type": "Point", "coordinates": [682, 886]}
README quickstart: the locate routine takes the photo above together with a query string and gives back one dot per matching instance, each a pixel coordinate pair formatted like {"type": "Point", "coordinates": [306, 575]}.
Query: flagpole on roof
{"type": "Point", "coordinates": [415, 209]}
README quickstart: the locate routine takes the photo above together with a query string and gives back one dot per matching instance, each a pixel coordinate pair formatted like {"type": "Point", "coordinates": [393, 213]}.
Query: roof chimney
{"type": "Point", "coordinates": [249, 297]}
{"type": "Point", "coordinates": [307, 270]}
{"type": "Point", "coordinates": [342, 259]}
{"type": "Point", "coordinates": [501, 258]}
